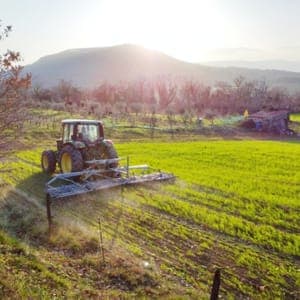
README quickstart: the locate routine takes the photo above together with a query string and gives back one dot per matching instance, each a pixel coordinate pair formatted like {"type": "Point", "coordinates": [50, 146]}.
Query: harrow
{"type": "Point", "coordinates": [99, 177]}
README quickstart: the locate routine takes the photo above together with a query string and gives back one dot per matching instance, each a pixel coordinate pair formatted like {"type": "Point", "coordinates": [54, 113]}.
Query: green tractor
{"type": "Point", "coordinates": [82, 143]}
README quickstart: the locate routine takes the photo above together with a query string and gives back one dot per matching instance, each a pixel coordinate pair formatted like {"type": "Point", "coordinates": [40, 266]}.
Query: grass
{"type": "Point", "coordinates": [24, 275]}
{"type": "Point", "coordinates": [295, 117]}
{"type": "Point", "coordinates": [234, 205]}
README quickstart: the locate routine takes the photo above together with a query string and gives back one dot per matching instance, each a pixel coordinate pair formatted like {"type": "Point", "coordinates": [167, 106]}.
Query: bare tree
{"type": "Point", "coordinates": [190, 92]}
{"type": "Point", "coordinates": [278, 98]}
{"type": "Point", "coordinates": [260, 95]}
{"type": "Point", "coordinates": [41, 94]}
{"type": "Point", "coordinates": [167, 91]}
{"type": "Point", "coordinates": [69, 94]}
{"type": "Point", "coordinates": [210, 115]}
{"type": "Point", "coordinates": [171, 120]}
{"type": "Point", "coordinates": [152, 122]}
{"type": "Point", "coordinates": [13, 86]}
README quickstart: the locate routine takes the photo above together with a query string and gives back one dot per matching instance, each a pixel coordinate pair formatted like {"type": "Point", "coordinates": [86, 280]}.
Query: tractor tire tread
{"type": "Point", "coordinates": [51, 161]}
{"type": "Point", "coordinates": [76, 157]}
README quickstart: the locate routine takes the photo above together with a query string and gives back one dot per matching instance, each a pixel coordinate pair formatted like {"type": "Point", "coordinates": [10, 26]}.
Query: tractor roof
{"type": "Point", "coordinates": [82, 121]}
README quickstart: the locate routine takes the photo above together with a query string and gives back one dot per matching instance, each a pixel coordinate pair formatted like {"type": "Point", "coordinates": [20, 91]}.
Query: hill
{"type": "Point", "coordinates": [88, 67]}
{"type": "Point", "coordinates": [284, 65]}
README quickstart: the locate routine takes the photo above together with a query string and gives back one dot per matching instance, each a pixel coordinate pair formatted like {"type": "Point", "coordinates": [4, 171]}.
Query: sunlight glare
{"type": "Point", "coordinates": [173, 27]}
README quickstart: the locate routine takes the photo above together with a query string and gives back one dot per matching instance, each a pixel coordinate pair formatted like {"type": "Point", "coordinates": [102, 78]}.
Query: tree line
{"type": "Point", "coordinates": [165, 95]}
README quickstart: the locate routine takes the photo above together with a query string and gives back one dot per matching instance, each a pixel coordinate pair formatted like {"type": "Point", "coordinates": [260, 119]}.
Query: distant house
{"type": "Point", "coordinates": [269, 121]}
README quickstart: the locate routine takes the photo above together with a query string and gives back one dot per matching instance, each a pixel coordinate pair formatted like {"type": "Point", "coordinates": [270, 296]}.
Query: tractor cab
{"type": "Point", "coordinates": [86, 131]}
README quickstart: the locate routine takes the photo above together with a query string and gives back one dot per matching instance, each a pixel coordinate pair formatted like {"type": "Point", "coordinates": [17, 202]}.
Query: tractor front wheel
{"type": "Point", "coordinates": [48, 161]}
{"type": "Point", "coordinates": [70, 160]}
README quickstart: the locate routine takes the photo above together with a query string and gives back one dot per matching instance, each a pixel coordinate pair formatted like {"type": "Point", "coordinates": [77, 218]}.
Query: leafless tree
{"type": "Point", "coordinates": [278, 98]}
{"type": "Point", "coordinates": [70, 95]}
{"type": "Point", "coordinates": [210, 115]}
{"type": "Point", "coordinates": [167, 91]}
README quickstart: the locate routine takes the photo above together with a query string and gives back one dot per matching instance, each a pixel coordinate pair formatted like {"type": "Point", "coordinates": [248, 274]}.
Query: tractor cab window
{"type": "Point", "coordinates": [88, 132]}
{"type": "Point", "coordinates": [68, 133]}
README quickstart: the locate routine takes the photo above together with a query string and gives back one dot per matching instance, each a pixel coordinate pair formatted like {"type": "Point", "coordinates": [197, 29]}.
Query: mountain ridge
{"type": "Point", "coordinates": [88, 67]}
{"type": "Point", "coordinates": [271, 64]}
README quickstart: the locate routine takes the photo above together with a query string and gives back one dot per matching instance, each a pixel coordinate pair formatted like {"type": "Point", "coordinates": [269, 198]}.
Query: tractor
{"type": "Point", "coordinates": [88, 162]}
{"type": "Point", "coordinates": [82, 143]}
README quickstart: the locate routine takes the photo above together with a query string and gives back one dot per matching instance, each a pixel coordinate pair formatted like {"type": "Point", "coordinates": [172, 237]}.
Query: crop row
{"type": "Point", "coordinates": [178, 248]}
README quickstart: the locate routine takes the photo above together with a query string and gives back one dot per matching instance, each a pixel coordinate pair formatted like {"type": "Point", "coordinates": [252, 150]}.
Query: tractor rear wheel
{"type": "Point", "coordinates": [48, 161]}
{"type": "Point", "coordinates": [110, 153]}
{"type": "Point", "coordinates": [70, 160]}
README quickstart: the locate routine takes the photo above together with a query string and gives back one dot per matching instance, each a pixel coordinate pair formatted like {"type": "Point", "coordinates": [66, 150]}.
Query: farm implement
{"type": "Point", "coordinates": [89, 180]}
{"type": "Point", "coordinates": [89, 162]}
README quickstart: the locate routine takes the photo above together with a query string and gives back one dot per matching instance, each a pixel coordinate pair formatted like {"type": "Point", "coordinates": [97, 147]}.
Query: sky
{"type": "Point", "coordinates": [191, 30]}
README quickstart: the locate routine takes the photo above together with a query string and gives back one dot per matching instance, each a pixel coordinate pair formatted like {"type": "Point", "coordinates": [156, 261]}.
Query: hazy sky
{"type": "Point", "coordinates": [189, 30]}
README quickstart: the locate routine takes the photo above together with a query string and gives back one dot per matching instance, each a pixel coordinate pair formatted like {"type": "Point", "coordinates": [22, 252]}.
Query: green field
{"type": "Point", "coordinates": [295, 117]}
{"type": "Point", "coordinates": [234, 205]}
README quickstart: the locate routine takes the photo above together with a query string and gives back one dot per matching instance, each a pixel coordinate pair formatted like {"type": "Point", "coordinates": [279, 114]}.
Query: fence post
{"type": "Point", "coordinates": [101, 240]}
{"type": "Point", "coordinates": [216, 285]}
{"type": "Point", "coordinates": [49, 217]}
{"type": "Point", "coordinates": [127, 168]}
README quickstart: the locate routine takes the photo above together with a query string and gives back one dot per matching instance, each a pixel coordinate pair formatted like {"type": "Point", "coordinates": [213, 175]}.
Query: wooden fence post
{"type": "Point", "coordinates": [49, 217]}
{"type": "Point", "coordinates": [101, 240]}
{"type": "Point", "coordinates": [216, 285]}
{"type": "Point", "coordinates": [127, 168]}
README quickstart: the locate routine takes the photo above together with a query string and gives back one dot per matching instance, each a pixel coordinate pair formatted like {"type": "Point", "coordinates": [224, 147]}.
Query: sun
{"type": "Point", "coordinates": [183, 29]}
{"type": "Point", "coordinates": [180, 28]}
